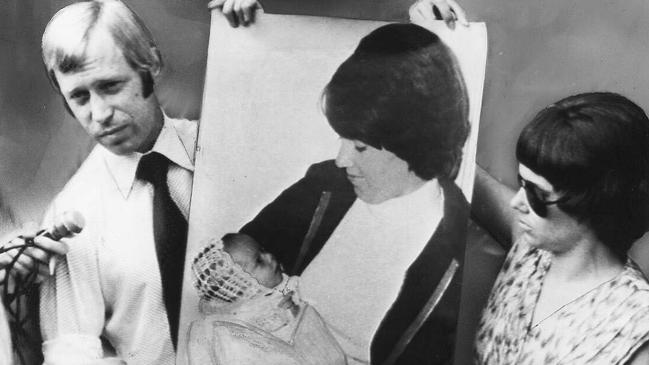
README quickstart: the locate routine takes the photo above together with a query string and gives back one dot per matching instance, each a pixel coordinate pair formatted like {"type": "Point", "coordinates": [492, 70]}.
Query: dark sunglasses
{"type": "Point", "coordinates": [536, 199]}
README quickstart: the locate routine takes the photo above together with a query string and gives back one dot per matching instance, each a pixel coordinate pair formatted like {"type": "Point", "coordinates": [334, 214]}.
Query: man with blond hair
{"type": "Point", "coordinates": [116, 295]}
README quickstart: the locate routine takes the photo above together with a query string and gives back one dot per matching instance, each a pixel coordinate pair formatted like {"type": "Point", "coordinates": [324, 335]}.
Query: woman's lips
{"type": "Point", "coordinates": [524, 226]}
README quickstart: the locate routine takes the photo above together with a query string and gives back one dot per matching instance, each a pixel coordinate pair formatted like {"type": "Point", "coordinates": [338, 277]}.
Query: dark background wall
{"type": "Point", "coordinates": [541, 51]}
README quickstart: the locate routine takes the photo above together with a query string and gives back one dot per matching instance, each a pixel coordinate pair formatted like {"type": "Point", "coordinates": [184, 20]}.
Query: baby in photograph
{"type": "Point", "coordinates": [250, 311]}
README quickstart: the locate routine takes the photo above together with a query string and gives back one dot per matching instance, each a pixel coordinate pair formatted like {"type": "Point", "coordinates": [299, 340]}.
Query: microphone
{"type": "Point", "coordinates": [66, 224]}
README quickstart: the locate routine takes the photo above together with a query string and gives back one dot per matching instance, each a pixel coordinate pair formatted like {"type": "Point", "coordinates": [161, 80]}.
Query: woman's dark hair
{"type": "Point", "coordinates": [402, 90]}
{"type": "Point", "coordinates": [594, 149]}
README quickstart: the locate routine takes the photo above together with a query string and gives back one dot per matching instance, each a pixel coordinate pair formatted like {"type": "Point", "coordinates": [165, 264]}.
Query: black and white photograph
{"type": "Point", "coordinates": [324, 182]}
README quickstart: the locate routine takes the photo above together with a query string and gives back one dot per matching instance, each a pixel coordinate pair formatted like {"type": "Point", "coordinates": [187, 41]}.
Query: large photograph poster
{"type": "Point", "coordinates": [262, 124]}
{"type": "Point", "coordinates": [271, 74]}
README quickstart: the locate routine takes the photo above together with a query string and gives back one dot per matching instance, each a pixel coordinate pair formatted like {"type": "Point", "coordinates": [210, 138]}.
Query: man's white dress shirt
{"type": "Point", "coordinates": [108, 286]}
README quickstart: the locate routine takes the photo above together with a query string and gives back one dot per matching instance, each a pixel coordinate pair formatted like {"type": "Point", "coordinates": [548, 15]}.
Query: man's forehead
{"type": "Point", "coordinates": [93, 70]}
{"type": "Point", "coordinates": [99, 52]}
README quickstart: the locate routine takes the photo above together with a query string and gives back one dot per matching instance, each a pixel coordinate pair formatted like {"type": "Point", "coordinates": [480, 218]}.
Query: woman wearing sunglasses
{"type": "Point", "coordinates": [567, 292]}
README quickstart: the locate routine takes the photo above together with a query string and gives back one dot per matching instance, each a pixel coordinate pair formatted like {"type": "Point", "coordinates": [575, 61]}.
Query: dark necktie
{"type": "Point", "coordinates": [170, 233]}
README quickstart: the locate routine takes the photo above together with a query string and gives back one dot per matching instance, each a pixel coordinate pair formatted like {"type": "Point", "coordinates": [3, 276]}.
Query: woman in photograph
{"type": "Point", "coordinates": [375, 232]}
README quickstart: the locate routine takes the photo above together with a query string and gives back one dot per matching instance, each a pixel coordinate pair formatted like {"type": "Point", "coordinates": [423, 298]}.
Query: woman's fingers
{"type": "Point", "coordinates": [420, 9]}
{"type": "Point", "coordinates": [445, 11]}
{"type": "Point", "coordinates": [236, 11]}
{"type": "Point", "coordinates": [449, 11]}
{"type": "Point", "coordinates": [230, 15]}
{"type": "Point", "coordinates": [248, 8]}
{"type": "Point", "coordinates": [460, 14]}
{"type": "Point", "coordinates": [215, 4]}
{"type": "Point", "coordinates": [227, 8]}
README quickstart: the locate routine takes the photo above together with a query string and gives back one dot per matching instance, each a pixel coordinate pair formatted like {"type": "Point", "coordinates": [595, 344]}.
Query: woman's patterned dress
{"type": "Point", "coordinates": [604, 326]}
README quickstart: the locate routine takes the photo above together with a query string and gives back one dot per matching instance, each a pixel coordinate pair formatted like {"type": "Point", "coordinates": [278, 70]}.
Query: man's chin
{"type": "Point", "coordinates": [122, 149]}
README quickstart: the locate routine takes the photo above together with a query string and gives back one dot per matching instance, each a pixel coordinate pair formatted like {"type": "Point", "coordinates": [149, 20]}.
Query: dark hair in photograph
{"type": "Point", "coordinates": [402, 90]}
{"type": "Point", "coordinates": [594, 149]}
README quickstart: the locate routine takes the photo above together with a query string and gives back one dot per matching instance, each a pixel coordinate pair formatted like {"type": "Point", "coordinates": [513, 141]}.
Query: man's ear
{"type": "Point", "coordinates": [156, 67]}
{"type": "Point", "coordinates": [55, 84]}
{"type": "Point", "coordinates": [147, 83]}
{"type": "Point", "coordinates": [147, 75]}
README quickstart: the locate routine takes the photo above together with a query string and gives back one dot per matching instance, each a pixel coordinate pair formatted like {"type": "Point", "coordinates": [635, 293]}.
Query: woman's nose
{"type": "Point", "coordinates": [343, 159]}
{"type": "Point", "coordinates": [519, 201]}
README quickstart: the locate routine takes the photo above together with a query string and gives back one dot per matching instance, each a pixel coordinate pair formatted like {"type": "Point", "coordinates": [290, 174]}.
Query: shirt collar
{"type": "Point", "coordinates": [123, 167]}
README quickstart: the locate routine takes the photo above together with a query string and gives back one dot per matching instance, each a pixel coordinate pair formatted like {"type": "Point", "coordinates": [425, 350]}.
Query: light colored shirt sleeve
{"type": "Point", "coordinates": [72, 307]}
